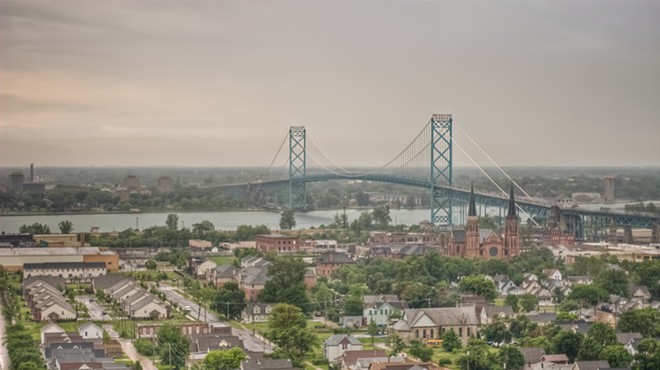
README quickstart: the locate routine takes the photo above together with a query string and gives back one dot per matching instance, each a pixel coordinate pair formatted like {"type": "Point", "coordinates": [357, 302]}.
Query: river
{"type": "Point", "coordinates": [221, 220]}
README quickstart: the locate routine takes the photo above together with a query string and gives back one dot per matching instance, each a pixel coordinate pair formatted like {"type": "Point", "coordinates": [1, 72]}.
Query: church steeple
{"type": "Point", "coordinates": [472, 211]}
{"type": "Point", "coordinates": [512, 204]}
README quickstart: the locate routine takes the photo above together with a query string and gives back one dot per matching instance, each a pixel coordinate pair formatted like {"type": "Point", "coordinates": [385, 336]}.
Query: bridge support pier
{"type": "Point", "coordinates": [297, 167]}
{"type": "Point", "coordinates": [612, 236]}
{"type": "Point", "coordinates": [627, 234]}
{"type": "Point", "coordinates": [441, 169]}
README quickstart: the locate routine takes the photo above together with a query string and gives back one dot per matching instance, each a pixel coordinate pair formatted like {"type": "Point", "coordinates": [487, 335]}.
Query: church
{"type": "Point", "coordinates": [473, 242]}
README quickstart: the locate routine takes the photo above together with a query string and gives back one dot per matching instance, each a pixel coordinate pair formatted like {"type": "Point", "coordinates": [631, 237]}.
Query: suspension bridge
{"type": "Point", "coordinates": [427, 163]}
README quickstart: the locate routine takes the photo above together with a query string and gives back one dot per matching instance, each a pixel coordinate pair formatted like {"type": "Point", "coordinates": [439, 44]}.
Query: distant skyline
{"type": "Point", "coordinates": [217, 84]}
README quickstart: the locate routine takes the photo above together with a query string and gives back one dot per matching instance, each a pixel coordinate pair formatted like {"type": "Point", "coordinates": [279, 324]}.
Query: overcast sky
{"type": "Point", "coordinates": [218, 83]}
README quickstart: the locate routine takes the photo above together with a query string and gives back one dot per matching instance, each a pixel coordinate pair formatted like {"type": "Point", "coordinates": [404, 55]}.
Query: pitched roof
{"type": "Point", "coordinates": [63, 265]}
{"type": "Point", "coordinates": [350, 357]}
{"type": "Point", "coordinates": [532, 354]}
{"type": "Point", "coordinates": [472, 211]}
{"type": "Point", "coordinates": [591, 365]}
{"type": "Point", "coordinates": [336, 339]}
{"type": "Point", "coordinates": [54, 281]}
{"type": "Point", "coordinates": [624, 338]}
{"type": "Point", "coordinates": [555, 358]}
{"type": "Point", "coordinates": [334, 258]}
{"type": "Point", "coordinates": [107, 281]}
{"type": "Point", "coordinates": [89, 325]}
{"type": "Point", "coordinates": [443, 316]}
{"type": "Point", "coordinates": [458, 236]}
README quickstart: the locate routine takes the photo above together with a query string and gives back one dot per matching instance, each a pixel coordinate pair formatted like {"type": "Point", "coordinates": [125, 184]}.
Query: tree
{"type": "Point", "coordinates": [172, 221]}
{"type": "Point", "coordinates": [648, 355]}
{"type": "Point", "coordinates": [528, 302]}
{"type": "Point", "coordinates": [423, 353]}
{"type": "Point", "coordinates": [286, 283]}
{"type": "Point", "coordinates": [230, 300]}
{"type": "Point", "coordinates": [616, 355]}
{"type": "Point", "coordinates": [603, 333]}
{"type": "Point", "coordinates": [496, 332]}
{"type": "Point", "coordinates": [353, 305]}
{"type": "Point", "coordinates": [521, 326]}
{"type": "Point", "coordinates": [479, 285]}
{"type": "Point", "coordinates": [645, 320]}
{"type": "Point", "coordinates": [288, 330]}
{"type": "Point", "coordinates": [477, 357]}
{"type": "Point", "coordinates": [511, 357]}
{"type": "Point", "coordinates": [65, 226]}
{"type": "Point", "coordinates": [512, 300]}
{"type": "Point", "coordinates": [587, 293]}
{"type": "Point", "coordinates": [287, 220]}
{"type": "Point", "coordinates": [203, 229]}
{"type": "Point", "coordinates": [224, 359]}
{"type": "Point", "coordinates": [173, 346]}
{"type": "Point", "coordinates": [396, 344]}
{"type": "Point", "coordinates": [568, 343]}
{"type": "Point", "coordinates": [151, 264]}
{"type": "Point", "coordinates": [451, 341]}
{"type": "Point", "coordinates": [613, 282]}
{"type": "Point", "coordinates": [381, 215]}
{"type": "Point", "coordinates": [35, 228]}
{"type": "Point", "coordinates": [589, 349]}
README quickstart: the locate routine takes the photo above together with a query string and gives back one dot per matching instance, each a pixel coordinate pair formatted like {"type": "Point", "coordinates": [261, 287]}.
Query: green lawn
{"type": "Point", "coordinates": [222, 260]}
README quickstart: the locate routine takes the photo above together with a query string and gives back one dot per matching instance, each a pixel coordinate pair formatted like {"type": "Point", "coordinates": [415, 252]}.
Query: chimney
{"type": "Point", "coordinates": [31, 172]}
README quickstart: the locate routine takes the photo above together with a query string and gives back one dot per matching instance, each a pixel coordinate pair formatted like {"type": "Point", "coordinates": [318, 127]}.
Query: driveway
{"type": "Point", "coordinates": [96, 312]}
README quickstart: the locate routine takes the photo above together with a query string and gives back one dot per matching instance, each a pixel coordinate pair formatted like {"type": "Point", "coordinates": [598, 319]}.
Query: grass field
{"type": "Point", "coordinates": [222, 260]}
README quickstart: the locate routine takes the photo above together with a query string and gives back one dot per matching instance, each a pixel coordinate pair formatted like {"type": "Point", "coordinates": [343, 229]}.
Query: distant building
{"type": "Point", "coordinates": [131, 182]}
{"type": "Point", "coordinates": [16, 180]}
{"type": "Point", "coordinates": [13, 259]}
{"type": "Point", "coordinates": [83, 271]}
{"type": "Point", "coordinates": [165, 184]}
{"type": "Point", "coordinates": [608, 188]}
{"type": "Point", "coordinates": [34, 187]}
{"type": "Point", "coordinates": [278, 243]}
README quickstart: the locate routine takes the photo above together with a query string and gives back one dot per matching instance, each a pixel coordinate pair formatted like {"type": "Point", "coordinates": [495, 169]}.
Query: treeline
{"type": "Point", "coordinates": [22, 349]}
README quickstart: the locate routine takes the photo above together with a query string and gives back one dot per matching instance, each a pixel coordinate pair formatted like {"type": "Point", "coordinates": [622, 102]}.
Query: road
{"type": "Point", "coordinates": [251, 342]}
{"type": "Point", "coordinates": [128, 348]}
{"type": "Point", "coordinates": [96, 312]}
{"type": "Point", "coordinates": [4, 356]}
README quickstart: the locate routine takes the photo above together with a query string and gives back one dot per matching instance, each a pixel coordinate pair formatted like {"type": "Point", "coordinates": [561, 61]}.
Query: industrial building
{"type": "Point", "coordinates": [13, 259]}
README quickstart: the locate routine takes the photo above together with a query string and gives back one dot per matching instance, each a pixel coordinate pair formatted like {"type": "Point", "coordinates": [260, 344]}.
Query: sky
{"type": "Point", "coordinates": [218, 83]}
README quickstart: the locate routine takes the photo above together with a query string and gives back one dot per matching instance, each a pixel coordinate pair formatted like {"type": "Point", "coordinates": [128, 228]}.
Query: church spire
{"type": "Point", "coordinates": [512, 204]}
{"type": "Point", "coordinates": [472, 211]}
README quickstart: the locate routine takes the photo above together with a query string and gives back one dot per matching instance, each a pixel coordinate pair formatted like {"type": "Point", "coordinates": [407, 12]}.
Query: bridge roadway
{"type": "Point", "coordinates": [489, 200]}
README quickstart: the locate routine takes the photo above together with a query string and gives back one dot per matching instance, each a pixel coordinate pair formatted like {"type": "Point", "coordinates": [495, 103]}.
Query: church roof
{"type": "Point", "coordinates": [473, 209]}
{"type": "Point", "coordinates": [512, 204]}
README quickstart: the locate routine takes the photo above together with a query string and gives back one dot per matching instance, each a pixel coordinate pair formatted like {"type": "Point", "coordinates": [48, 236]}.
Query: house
{"type": "Point", "coordinates": [335, 346]}
{"type": "Point", "coordinates": [490, 313]}
{"type": "Point", "coordinates": [380, 251]}
{"type": "Point", "coordinates": [590, 365]}
{"type": "Point", "coordinates": [432, 323]}
{"type": "Point", "coordinates": [405, 365]}
{"type": "Point", "coordinates": [351, 321]}
{"type": "Point", "coordinates": [203, 270]}
{"type": "Point", "coordinates": [252, 280]}
{"type": "Point", "coordinates": [90, 331]}
{"type": "Point", "coordinates": [202, 344]}
{"type": "Point", "coordinates": [47, 302]}
{"type": "Point", "coordinates": [265, 364]}
{"type": "Point", "coordinates": [134, 300]}
{"type": "Point", "coordinates": [349, 359]}
{"type": "Point", "coordinates": [379, 308]}
{"type": "Point", "coordinates": [640, 292]}
{"type": "Point", "coordinates": [328, 263]}
{"type": "Point", "coordinates": [632, 346]}
{"type": "Point", "coordinates": [532, 354]}
{"type": "Point", "coordinates": [50, 328]}
{"type": "Point", "coordinates": [560, 359]}
{"type": "Point", "coordinates": [71, 271]}
{"type": "Point", "coordinates": [625, 338]}
{"type": "Point", "coordinates": [256, 312]}
{"type": "Point", "coordinates": [310, 278]}
{"type": "Point", "coordinates": [224, 274]}
{"type": "Point", "coordinates": [552, 274]}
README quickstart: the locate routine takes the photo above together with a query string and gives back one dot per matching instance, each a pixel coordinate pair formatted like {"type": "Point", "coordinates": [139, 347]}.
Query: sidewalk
{"type": "Point", "coordinates": [128, 348]}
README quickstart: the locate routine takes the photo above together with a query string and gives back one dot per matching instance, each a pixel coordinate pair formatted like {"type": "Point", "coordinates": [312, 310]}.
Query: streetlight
{"type": "Point", "coordinates": [467, 359]}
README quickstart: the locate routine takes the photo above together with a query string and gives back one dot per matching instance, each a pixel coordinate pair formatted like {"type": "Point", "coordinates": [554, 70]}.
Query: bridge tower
{"type": "Point", "coordinates": [441, 169]}
{"type": "Point", "coordinates": [297, 167]}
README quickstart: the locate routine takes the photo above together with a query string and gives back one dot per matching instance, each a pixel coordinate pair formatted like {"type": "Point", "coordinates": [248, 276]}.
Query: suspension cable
{"type": "Point", "coordinates": [491, 180]}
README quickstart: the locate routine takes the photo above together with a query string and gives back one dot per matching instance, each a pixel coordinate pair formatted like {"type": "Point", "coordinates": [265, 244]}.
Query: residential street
{"type": "Point", "coordinates": [251, 343]}
{"type": "Point", "coordinates": [96, 312]}
{"type": "Point", "coordinates": [128, 348]}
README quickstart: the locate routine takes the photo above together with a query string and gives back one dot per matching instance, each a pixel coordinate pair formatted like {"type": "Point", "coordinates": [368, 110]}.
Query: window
{"type": "Point", "coordinates": [460, 332]}
{"type": "Point", "coordinates": [416, 333]}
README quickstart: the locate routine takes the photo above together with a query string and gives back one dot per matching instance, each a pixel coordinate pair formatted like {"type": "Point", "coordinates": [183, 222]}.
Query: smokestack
{"type": "Point", "coordinates": [32, 172]}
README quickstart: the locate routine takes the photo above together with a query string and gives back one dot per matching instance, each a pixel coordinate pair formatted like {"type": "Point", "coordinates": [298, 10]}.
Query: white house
{"type": "Point", "coordinates": [84, 271]}
{"type": "Point", "coordinates": [379, 308]}
{"type": "Point", "coordinates": [335, 346]}
{"type": "Point", "coordinates": [204, 269]}
{"type": "Point", "coordinates": [55, 310]}
{"type": "Point", "coordinates": [552, 274]}
{"type": "Point", "coordinates": [90, 331]}
{"type": "Point", "coordinates": [48, 329]}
